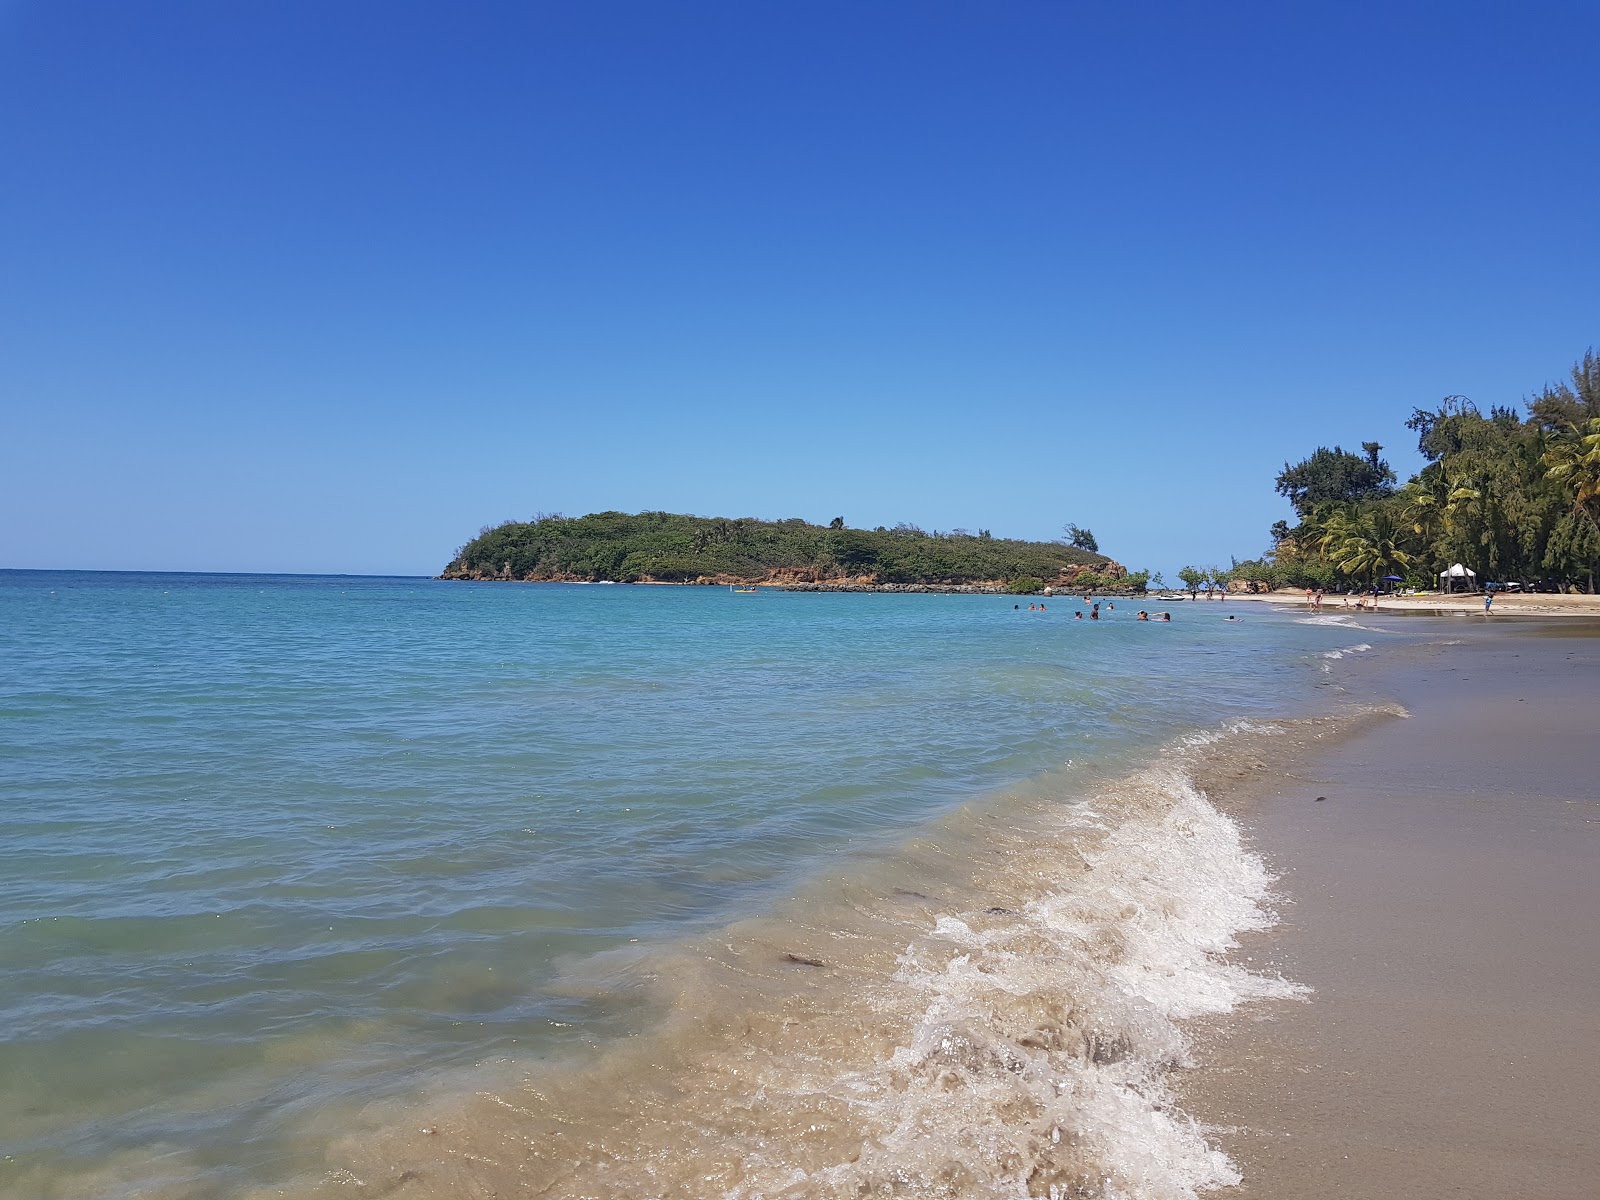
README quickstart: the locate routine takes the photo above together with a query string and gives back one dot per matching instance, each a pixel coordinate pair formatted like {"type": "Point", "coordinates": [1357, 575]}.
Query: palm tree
{"type": "Point", "coordinates": [1575, 462]}
{"type": "Point", "coordinates": [1462, 516]}
{"type": "Point", "coordinates": [1423, 506]}
{"type": "Point", "coordinates": [1368, 547]}
{"type": "Point", "coordinates": [1335, 527]}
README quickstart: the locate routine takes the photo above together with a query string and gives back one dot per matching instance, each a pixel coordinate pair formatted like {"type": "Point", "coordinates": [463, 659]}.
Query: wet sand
{"type": "Point", "coordinates": [1443, 878]}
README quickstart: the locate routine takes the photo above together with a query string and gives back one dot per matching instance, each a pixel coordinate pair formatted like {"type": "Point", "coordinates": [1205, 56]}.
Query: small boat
{"type": "Point", "coordinates": [742, 591]}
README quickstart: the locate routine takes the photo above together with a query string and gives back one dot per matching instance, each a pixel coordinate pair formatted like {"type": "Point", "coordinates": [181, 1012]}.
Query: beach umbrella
{"type": "Point", "coordinates": [1393, 579]}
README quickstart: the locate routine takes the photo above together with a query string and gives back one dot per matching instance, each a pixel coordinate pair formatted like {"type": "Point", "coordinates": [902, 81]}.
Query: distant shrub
{"type": "Point", "coordinates": [1025, 585]}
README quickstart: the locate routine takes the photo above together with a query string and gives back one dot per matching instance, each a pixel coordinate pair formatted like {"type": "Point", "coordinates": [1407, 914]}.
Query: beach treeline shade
{"type": "Point", "coordinates": [1514, 496]}
{"type": "Point", "coordinates": [675, 548]}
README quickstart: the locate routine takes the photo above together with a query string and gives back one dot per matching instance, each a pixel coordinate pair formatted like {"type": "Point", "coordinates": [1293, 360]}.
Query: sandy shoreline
{"type": "Point", "coordinates": [1536, 604]}
{"type": "Point", "coordinates": [1442, 886]}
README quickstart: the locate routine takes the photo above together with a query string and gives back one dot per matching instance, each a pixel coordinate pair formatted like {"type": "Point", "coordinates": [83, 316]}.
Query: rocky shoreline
{"type": "Point", "coordinates": [1061, 588]}
{"type": "Point", "coordinates": [807, 581]}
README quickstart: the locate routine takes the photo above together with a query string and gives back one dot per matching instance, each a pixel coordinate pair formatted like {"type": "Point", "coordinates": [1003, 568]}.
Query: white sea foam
{"type": "Point", "coordinates": [1358, 648]}
{"type": "Point", "coordinates": [1210, 737]}
{"type": "Point", "coordinates": [1071, 1013]}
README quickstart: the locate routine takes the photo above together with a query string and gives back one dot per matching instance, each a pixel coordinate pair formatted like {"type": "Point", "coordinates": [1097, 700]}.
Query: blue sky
{"type": "Point", "coordinates": [325, 287]}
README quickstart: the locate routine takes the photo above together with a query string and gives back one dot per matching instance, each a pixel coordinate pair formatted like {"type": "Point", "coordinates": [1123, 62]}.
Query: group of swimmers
{"type": "Point", "coordinates": [1094, 611]}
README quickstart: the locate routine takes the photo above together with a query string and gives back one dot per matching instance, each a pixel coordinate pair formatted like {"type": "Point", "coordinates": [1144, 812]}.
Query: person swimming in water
{"type": "Point", "coordinates": [1166, 616]}
{"type": "Point", "coordinates": [1143, 616]}
{"type": "Point", "coordinates": [1094, 613]}
{"type": "Point", "coordinates": [1077, 616]}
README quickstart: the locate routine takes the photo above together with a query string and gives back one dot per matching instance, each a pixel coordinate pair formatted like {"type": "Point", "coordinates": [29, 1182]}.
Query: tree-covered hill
{"type": "Point", "coordinates": [673, 548]}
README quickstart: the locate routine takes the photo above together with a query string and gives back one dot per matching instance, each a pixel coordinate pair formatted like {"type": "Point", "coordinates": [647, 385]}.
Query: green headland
{"type": "Point", "coordinates": [660, 547]}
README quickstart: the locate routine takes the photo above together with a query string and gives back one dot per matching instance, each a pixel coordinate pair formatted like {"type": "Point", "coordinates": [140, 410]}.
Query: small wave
{"type": "Point", "coordinates": [1339, 621]}
{"type": "Point", "coordinates": [1358, 648]}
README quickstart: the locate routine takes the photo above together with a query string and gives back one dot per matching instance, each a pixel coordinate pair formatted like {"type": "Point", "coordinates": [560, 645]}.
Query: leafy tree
{"type": "Point", "coordinates": [1192, 578]}
{"type": "Point", "coordinates": [1573, 549]}
{"type": "Point", "coordinates": [1567, 406]}
{"type": "Point", "coordinates": [1081, 538]}
{"type": "Point", "coordinates": [1335, 477]}
{"type": "Point", "coordinates": [1254, 574]}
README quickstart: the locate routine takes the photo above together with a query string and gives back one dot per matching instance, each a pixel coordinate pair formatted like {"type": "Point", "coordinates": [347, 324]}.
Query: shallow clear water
{"type": "Point", "coordinates": [270, 844]}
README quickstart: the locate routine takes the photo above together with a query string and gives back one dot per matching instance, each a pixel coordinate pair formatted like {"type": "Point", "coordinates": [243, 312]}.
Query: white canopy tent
{"type": "Point", "coordinates": [1447, 579]}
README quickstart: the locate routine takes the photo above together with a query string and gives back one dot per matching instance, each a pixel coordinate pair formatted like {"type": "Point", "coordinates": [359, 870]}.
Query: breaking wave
{"type": "Point", "coordinates": [994, 1010]}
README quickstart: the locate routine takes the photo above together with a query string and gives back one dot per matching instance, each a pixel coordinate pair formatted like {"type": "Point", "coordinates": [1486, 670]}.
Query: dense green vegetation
{"type": "Point", "coordinates": [670, 547]}
{"type": "Point", "coordinates": [1515, 497]}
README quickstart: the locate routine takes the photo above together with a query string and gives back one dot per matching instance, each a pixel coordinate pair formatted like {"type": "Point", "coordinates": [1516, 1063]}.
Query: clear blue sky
{"type": "Point", "coordinates": [326, 286]}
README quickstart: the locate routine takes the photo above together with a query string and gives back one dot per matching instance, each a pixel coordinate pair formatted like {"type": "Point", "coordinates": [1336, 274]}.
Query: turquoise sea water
{"type": "Point", "coordinates": [271, 846]}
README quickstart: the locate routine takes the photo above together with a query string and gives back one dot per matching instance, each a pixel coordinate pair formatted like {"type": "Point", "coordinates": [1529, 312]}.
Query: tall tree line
{"type": "Point", "coordinates": [1514, 496]}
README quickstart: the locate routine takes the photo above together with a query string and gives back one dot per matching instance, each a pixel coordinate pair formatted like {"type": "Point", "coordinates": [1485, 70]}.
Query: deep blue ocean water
{"type": "Point", "coordinates": [275, 843]}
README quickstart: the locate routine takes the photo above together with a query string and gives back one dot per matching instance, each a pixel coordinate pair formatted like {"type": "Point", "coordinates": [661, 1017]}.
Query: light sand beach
{"type": "Point", "coordinates": [1537, 604]}
{"type": "Point", "coordinates": [1442, 875]}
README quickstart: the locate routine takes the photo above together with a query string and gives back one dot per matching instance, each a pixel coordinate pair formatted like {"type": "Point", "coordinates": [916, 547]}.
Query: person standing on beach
{"type": "Point", "coordinates": [1308, 598]}
{"type": "Point", "coordinates": [1488, 601]}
